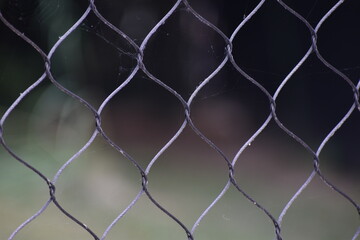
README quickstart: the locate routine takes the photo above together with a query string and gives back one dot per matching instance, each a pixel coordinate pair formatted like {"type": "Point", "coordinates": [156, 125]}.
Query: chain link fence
{"type": "Point", "coordinates": [134, 65]}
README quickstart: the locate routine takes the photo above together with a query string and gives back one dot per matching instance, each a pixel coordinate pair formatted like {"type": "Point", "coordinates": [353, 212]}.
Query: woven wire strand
{"type": "Point", "coordinates": [140, 66]}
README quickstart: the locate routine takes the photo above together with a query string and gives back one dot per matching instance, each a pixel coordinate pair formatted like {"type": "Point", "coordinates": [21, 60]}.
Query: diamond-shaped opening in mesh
{"type": "Point", "coordinates": [183, 52]}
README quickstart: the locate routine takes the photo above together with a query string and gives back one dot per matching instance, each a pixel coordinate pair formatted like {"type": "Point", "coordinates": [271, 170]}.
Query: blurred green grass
{"type": "Point", "coordinates": [98, 186]}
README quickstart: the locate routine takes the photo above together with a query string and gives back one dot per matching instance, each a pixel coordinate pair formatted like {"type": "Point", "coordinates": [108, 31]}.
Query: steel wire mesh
{"type": "Point", "coordinates": [139, 50]}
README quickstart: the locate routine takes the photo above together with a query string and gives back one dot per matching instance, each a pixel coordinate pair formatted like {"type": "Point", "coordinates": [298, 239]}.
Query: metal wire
{"type": "Point", "coordinates": [228, 59]}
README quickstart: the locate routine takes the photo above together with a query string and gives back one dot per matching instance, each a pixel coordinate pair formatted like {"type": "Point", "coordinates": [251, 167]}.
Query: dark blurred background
{"type": "Point", "coordinates": [93, 61]}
